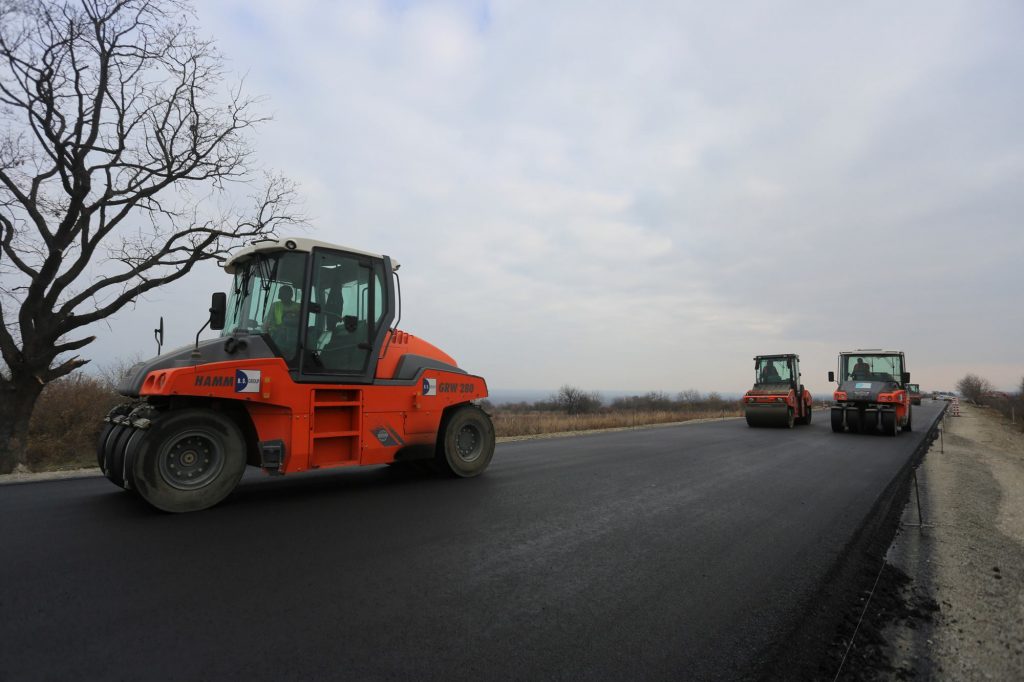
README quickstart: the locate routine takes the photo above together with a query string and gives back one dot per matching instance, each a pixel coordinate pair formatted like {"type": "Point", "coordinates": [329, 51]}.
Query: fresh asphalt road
{"type": "Point", "coordinates": [668, 553]}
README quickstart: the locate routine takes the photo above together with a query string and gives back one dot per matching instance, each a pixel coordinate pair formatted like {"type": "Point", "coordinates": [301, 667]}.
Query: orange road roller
{"type": "Point", "coordinates": [777, 398]}
{"type": "Point", "coordinates": [309, 372]}
{"type": "Point", "coordinates": [873, 392]}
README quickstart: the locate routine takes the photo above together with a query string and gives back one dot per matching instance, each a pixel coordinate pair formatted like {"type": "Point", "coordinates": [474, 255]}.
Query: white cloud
{"type": "Point", "coordinates": [644, 195]}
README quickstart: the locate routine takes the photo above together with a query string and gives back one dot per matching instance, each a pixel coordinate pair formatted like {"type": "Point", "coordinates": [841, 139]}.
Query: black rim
{"type": "Point", "coordinates": [191, 460]}
{"type": "Point", "coordinates": [469, 443]}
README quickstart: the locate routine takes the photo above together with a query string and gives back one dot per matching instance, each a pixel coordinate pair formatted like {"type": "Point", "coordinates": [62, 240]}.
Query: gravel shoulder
{"type": "Point", "coordinates": [968, 556]}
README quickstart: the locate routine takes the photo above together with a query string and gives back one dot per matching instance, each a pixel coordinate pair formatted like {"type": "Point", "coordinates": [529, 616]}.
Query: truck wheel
{"type": "Point", "coordinates": [188, 460]}
{"type": "Point", "coordinates": [853, 421]}
{"type": "Point", "coordinates": [889, 426]}
{"type": "Point", "coordinates": [807, 417]}
{"type": "Point", "coordinates": [837, 421]}
{"type": "Point", "coordinates": [790, 418]}
{"type": "Point", "coordinates": [467, 442]}
{"type": "Point", "coordinates": [910, 416]}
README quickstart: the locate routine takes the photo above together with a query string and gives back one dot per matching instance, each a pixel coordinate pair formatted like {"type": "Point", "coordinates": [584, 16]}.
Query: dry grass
{"type": "Point", "coordinates": [67, 421]}
{"type": "Point", "coordinates": [534, 423]}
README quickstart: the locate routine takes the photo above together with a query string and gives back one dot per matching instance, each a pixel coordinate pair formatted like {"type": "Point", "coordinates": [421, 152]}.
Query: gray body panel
{"type": "Point", "coordinates": [210, 350]}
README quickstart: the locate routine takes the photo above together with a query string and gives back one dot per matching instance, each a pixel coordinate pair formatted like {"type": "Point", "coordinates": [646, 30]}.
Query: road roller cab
{"type": "Point", "coordinates": [873, 392]}
{"type": "Point", "coordinates": [777, 398]}
{"type": "Point", "coordinates": [309, 372]}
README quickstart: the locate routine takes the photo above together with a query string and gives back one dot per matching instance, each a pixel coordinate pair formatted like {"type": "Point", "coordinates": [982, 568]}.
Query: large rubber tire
{"type": "Point", "coordinates": [114, 461]}
{"type": "Point", "coordinates": [837, 421]}
{"type": "Point", "coordinates": [889, 427]}
{"type": "Point", "coordinates": [130, 451]}
{"type": "Point", "coordinates": [790, 418]}
{"type": "Point", "coordinates": [188, 460]}
{"type": "Point", "coordinates": [853, 420]}
{"type": "Point", "coordinates": [101, 447]}
{"type": "Point", "coordinates": [807, 417]}
{"type": "Point", "coordinates": [910, 417]}
{"type": "Point", "coordinates": [466, 444]}
{"type": "Point", "coordinates": [109, 445]}
{"type": "Point", "coordinates": [102, 443]}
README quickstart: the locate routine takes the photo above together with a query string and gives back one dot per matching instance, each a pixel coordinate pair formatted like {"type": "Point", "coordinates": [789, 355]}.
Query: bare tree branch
{"type": "Point", "coordinates": [115, 115]}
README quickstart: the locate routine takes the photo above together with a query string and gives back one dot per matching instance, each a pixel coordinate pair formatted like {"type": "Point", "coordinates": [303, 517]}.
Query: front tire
{"type": "Point", "coordinates": [113, 465]}
{"type": "Point", "coordinates": [837, 421]}
{"type": "Point", "coordinates": [467, 442]}
{"type": "Point", "coordinates": [188, 460]}
{"type": "Point", "coordinates": [101, 447]}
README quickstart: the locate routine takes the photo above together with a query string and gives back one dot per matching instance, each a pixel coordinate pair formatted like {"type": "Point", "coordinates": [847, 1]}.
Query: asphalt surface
{"type": "Point", "coordinates": [683, 552]}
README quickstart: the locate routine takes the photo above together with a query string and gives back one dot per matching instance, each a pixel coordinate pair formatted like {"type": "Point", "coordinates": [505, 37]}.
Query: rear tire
{"type": "Point", "coordinates": [790, 418]}
{"type": "Point", "coordinates": [853, 421]}
{"type": "Point", "coordinates": [188, 460]}
{"type": "Point", "coordinates": [837, 421]}
{"type": "Point", "coordinates": [889, 426]}
{"type": "Point", "coordinates": [910, 417]}
{"type": "Point", "coordinates": [466, 444]}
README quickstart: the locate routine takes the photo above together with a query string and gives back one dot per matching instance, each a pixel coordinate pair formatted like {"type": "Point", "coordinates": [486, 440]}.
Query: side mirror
{"type": "Point", "coordinates": [906, 377]}
{"type": "Point", "coordinates": [218, 310]}
{"type": "Point", "coordinates": [831, 376]}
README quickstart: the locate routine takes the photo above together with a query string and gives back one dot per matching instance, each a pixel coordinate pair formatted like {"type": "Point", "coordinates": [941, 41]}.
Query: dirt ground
{"type": "Point", "coordinates": [967, 559]}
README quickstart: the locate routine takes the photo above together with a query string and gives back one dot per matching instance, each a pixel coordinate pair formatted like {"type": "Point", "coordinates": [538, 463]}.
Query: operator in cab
{"type": "Point", "coordinates": [282, 322]}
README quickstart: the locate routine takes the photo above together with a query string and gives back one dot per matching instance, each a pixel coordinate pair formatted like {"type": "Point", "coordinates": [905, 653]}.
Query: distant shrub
{"type": "Point", "coordinates": [67, 422]}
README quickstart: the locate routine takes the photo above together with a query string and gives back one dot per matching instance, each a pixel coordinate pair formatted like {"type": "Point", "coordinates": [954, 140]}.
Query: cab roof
{"type": "Point", "coordinates": [291, 244]}
{"type": "Point", "coordinates": [871, 351]}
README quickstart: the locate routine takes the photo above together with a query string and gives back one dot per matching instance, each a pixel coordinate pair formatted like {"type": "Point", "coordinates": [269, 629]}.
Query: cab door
{"type": "Point", "coordinates": [349, 309]}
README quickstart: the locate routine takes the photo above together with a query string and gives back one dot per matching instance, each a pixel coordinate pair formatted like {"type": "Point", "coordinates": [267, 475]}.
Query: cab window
{"type": "Point", "coordinates": [266, 298]}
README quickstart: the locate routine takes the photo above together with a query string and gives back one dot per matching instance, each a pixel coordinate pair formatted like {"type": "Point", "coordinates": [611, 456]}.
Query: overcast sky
{"type": "Point", "coordinates": [645, 195]}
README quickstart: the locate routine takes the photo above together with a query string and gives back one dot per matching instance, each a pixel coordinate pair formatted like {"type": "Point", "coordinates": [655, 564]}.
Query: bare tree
{"type": "Point", "coordinates": [122, 146]}
{"type": "Point", "coordinates": [577, 401]}
{"type": "Point", "coordinates": [973, 387]}
{"type": "Point", "coordinates": [690, 395]}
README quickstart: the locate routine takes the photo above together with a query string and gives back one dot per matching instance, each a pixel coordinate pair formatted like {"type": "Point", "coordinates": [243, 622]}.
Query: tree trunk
{"type": "Point", "coordinates": [17, 401]}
